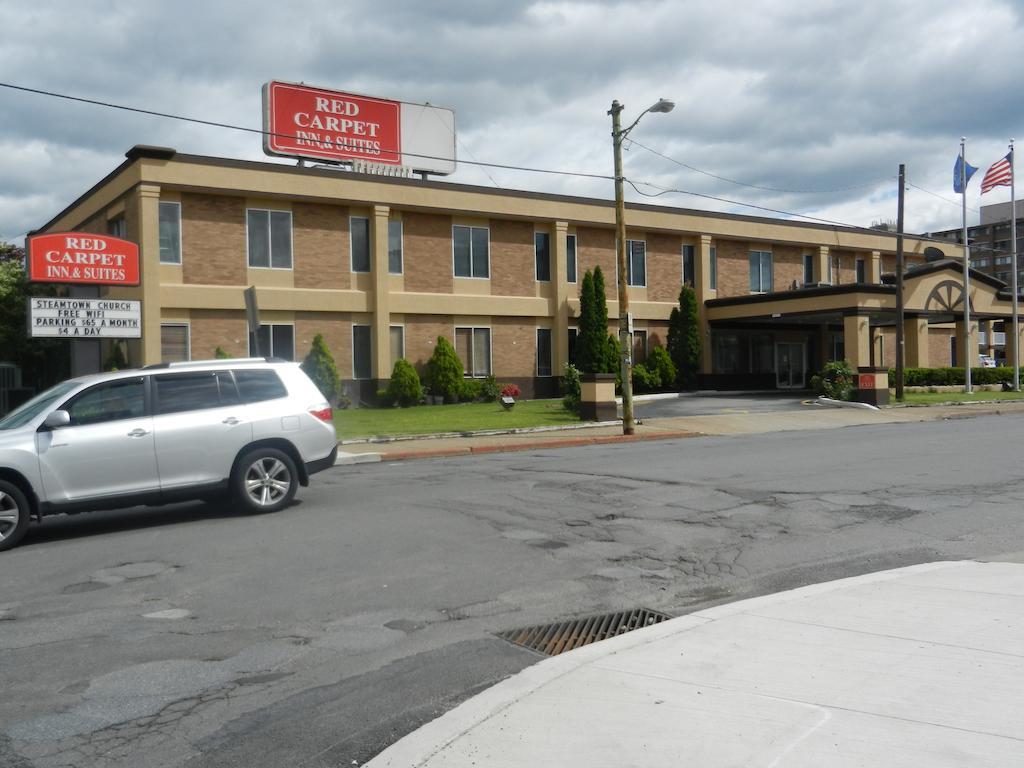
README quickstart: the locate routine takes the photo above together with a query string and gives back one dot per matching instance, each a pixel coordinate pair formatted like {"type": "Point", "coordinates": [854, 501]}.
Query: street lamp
{"type": "Point", "coordinates": [618, 134]}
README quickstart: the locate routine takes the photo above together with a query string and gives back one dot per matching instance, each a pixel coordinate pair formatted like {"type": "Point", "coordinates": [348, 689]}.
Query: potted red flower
{"type": "Point", "coordinates": [509, 394]}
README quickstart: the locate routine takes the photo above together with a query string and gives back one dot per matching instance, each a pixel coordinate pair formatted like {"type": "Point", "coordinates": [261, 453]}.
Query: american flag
{"type": "Point", "coordinates": [999, 175]}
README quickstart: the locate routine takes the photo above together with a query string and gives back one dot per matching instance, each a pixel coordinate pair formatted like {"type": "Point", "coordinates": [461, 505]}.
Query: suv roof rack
{"type": "Point", "coordinates": [219, 361]}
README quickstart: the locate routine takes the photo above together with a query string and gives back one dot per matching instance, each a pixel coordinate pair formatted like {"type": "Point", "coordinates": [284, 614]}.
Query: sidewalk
{"type": "Point", "coordinates": [811, 417]}
{"type": "Point", "coordinates": [920, 666]}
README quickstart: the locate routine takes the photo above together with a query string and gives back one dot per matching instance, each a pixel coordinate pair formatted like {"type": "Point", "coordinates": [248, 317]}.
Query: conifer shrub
{"type": "Point", "coordinates": [319, 366]}
{"type": "Point", "coordinates": [404, 387]}
{"type": "Point", "coordinates": [444, 371]}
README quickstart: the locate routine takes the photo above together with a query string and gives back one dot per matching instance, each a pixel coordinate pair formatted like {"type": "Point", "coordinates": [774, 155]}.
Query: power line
{"type": "Point", "coordinates": [215, 124]}
{"type": "Point", "coordinates": [940, 197]}
{"type": "Point", "coordinates": [758, 186]}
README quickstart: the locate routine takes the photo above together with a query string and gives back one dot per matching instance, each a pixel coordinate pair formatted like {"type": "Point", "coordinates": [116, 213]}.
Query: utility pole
{"type": "Point", "coordinates": [620, 247]}
{"type": "Point", "coordinates": [900, 341]}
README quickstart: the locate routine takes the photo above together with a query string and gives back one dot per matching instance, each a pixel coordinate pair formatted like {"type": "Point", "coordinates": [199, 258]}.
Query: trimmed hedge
{"type": "Point", "coordinates": [939, 377]}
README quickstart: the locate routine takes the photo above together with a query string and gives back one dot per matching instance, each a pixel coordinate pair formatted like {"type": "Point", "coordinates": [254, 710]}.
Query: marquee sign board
{"type": "Point", "coordinates": [66, 318]}
{"type": "Point", "coordinates": [82, 258]}
{"type": "Point", "coordinates": [319, 124]}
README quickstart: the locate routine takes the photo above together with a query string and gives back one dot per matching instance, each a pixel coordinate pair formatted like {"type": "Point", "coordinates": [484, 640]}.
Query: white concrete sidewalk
{"type": "Point", "coordinates": [920, 666]}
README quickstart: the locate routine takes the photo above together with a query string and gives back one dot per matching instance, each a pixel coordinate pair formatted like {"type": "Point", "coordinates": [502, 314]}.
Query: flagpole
{"type": "Point", "coordinates": [965, 353]}
{"type": "Point", "coordinates": [1013, 250]}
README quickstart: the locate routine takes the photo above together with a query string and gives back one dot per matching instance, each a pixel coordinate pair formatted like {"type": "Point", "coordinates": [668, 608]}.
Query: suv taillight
{"type": "Point", "coordinates": [324, 414]}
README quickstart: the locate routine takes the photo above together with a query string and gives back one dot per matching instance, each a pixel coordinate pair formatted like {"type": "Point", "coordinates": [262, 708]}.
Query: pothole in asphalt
{"type": "Point", "coordinates": [883, 512]}
{"type": "Point", "coordinates": [559, 637]}
{"type": "Point", "coordinates": [260, 679]}
{"type": "Point", "coordinates": [404, 625]}
{"type": "Point", "coordinates": [83, 586]}
{"type": "Point", "coordinates": [547, 544]}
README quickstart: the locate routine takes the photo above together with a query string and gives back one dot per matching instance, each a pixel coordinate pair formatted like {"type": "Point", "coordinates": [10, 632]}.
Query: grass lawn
{"type": "Point", "coordinates": [931, 398]}
{"type": "Point", "coordinates": [460, 417]}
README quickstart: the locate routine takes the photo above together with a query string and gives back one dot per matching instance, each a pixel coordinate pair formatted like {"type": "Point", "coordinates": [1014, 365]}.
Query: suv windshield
{"type": "Point", "coordinates": [24, 413]}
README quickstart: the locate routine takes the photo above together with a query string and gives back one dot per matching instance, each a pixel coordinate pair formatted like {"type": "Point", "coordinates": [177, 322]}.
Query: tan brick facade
{"type": "Point", "coordinates": [940, 347]}
{"type": "Point", "coordinates": [337, 332]}
{"type": "Point", "coordinates": [320, 240]}
{"type": "Point", "coordinates": [513, 258]}
{"type": "Point", "coordinates": [513, 347]}
{"type": "Point", "coordinates": [733, 268]}
{"type": "Point", "coordinates": [427, 246]}
{"type": "Point", "coordinates": [421, 332]}
{"type": "Point", "coordinates": [664, 267]}
{"type": "Point", "coordinates": [596, 248]}
{"type": "Point", "coordinates": [212, 328]}
{"type": "Point", "coordinates": [213, 239]}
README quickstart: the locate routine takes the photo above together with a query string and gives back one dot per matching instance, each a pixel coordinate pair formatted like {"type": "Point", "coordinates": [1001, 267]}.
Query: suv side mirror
{"type": "Point", "coordinates": [57, 419]}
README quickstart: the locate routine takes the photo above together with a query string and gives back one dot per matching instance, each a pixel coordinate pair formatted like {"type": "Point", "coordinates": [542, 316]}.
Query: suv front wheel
{"type": "Point", "coordinates": [14, 515]}
{"type": "Point", "coordinates": [265, 480]}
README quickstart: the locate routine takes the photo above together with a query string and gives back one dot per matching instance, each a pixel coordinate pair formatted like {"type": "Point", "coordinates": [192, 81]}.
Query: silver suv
{"type": "Point", "coordinates": [257, 428]}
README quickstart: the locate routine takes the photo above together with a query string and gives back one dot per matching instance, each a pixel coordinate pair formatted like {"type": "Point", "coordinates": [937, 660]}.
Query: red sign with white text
{"type": "Point", "coordinates": [82, 257]}
{"type": "Point", "coordinates": [300, 121]}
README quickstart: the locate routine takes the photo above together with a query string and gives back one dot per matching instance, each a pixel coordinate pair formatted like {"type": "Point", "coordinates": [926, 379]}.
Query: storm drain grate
{"type": "Point", "coordinates": [556, 638]}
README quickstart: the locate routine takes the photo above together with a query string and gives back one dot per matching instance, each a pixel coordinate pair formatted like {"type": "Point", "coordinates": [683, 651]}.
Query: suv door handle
{"type": "Point", "coordinates": [138, 432]}
{"type": "Point", "coordinates": [230, 420]}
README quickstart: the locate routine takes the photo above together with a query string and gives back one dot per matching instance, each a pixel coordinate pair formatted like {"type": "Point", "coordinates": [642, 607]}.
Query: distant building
{"type": "Point", "coordinates": [991, 250]}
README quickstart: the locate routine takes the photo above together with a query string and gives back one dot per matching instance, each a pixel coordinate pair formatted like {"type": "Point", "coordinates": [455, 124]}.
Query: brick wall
{"type": "Point", "coordinates": [513, 346]}
{"type": "Point", "coordinates": [213, 239]}
{"type": "Point", "coordinates": [427, 253]}
{"type": "Point", "coordinates": [939, 347]}
{"type": "Point", "coordinates": [513, 262]}
{"type": "Point", "coordinates": [421, 332]}
{"type": "Point", "coordinates": [320, 242]}
{"type": "Point", "coordinates": [787, 266]}
{"type": "Point", "coordinates": [212, 328]}
{"type": "Point", "coordinates": [665, 266]}
{"type": "Point", "coordinates": [596, 248]}
{"type": "Point", "coordinates": [733, 268]}
{"type": "Point", "coordinates": [337, 332]}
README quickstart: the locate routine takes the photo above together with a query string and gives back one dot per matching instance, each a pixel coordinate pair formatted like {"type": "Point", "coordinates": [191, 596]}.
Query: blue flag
{"type": "Point", "coordinates": [958, 183]}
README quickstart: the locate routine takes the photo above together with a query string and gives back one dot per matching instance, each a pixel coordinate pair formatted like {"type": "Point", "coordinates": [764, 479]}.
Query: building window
{"type": "Point", "coordinates": [543, 351]}
{"type": "Point", "coordinates": [174, 343]}
{"type": "Point", "coordinates": [118, 227]}
{"type": "Point", "coordinates": [170, 233]}
{"type": "Point", "coordinates": [397, 344]}
{"type": "Point", "coordinates": [572, 334]}
{"type": "Point", "coordinates": [270, 239]}
{"type": "Point", "coordinates": [636, 260]}
{"type": "Point", "coordinates": [861, 276]}
{"type": "Point", "coordinates": [808, 268]}
{"type": "Point", "coordinates": [361, 352]}
{"type": "Point", "coordinates": [542, 254]}
{"type": "Point", "coordinates": [714, 269]}
{"type": "Point", "coordinates": [639, 346]}
{"type": "Point", "coordinates": [688, 271]}
{"type": "Point", "coordinates": [275, 341]}
{"type": "Point", "coordinates": [1003, 259]}
{"type": "Point", "coordinates": [471, 251]}
{"type": "Point", "coordinates": [570, 258]}
{"type": "Point", "coordinates": [359, 239]}
{"type": "Point", "coordinates": [760, 271]}
{"type": "Point", "coordinates": [395, 246]}
{"type": "Point", "coordinates": [473, 346]}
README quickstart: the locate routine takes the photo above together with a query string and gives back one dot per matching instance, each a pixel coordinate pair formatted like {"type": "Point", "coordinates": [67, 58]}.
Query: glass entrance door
{"type": "Point", "coordinates": [790, 365]}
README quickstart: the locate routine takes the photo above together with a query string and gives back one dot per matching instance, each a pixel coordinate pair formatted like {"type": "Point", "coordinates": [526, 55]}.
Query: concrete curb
{"type": "Point", "coordinates": [845, 404]}
{"type": "Point", "coordinates": [421, 745]}
{"type": "Point", "coordinates": [479, 433]}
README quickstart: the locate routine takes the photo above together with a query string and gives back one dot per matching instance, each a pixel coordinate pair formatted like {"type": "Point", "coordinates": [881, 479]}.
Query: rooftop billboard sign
{"type": "Point", "coordinates": [319, 124]}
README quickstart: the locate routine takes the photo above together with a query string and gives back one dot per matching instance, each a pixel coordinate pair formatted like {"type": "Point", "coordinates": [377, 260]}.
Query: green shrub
{"type": "Point", "coordinates": [659, 361]}
{"type": "Point", "coordinates": [221, 354]}
{"type": "Point", "coordinates": [490, 390]}
{"type": "Point", "coordinates": [684, 338]}
{"type": "Point", "coordinates": [320, 367]}
{"type": "Point", "coordinates": [444, 371]}
{"type": "Point", "coordinates": [471, 390]}
{"type": "Point", "coordinates": [404, 387]}
{"type": "Point", "coordinates": [951, 376]}
{"type": "Point", "coordinates": [644, 379]}
{"type": "Point", "coordinates": [571, 388]}
{"type": "Point", "coordinates": [613, 359]}
{"type": "Point", "coordinates": [384, 400]}
{"type": "Point", "coordinates": [834, 381]}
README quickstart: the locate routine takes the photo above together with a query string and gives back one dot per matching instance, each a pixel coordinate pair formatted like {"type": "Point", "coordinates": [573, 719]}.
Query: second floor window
{"type": "Point", "coordinates": [760, 271]}
{"type": "Point", "coordinates": [713, 276]}
{"type": "Point", "coordinates": [395, 246]}
{"type": "Point", "coordinates": [542, 252]}
{"type": "Point", "coordinates": [270, 238]}
{"type": "Point", "coordinates": [688, 270]}
{"type": "Point", "coordinates": [808, 268]}
{"type": "Point", "coordinates": [861, 277]}
{"type": "Point", "coordinates": [471, 251]}
{"type": "Point", "coordinates": [636, 262]}
{"type": "Point", "coordinates": [170, 233]}
{"type": "Point", "coordinates": [359, 229]}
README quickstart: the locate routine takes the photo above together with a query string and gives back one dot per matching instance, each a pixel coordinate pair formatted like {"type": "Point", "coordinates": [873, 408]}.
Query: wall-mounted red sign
{"type": "Point", "coordinates": [300, 121]}
{"type": "Point", "coordinates": [82, 257]}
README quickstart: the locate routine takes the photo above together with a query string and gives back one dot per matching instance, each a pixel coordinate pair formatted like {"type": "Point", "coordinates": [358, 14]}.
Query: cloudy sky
{"type": "Point", "coordinates": [810, 106]}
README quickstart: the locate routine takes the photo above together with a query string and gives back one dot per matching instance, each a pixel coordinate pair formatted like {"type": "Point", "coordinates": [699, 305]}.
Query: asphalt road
{"type": "Point", "coordinates": [192, 636]}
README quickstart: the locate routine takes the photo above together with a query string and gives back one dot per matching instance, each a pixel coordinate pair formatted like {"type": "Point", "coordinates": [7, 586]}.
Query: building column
{"type": "Point", "coordinates": [149, 266]}
{"type": "Point", "coordinates": [915, 341]}
{"type": "Point", "coordinates": [857, 340]}
{"type": "Point", "coordinates": [876, 267]}
{"type": "Point", "coordinates": [966, 345]}
{"type": "Point", "coordinates": [704, 291]}
{"type": "Point", "coordinates": [1013, 344]}
{"type": "Point", "coordinates": [985, 327]}
{"type": "Point", "coordinates": [560, 302]}
{"type": "Point", "coordinates": [381, 294]}
{"type": "Point", "coordinates": [821, 270]}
